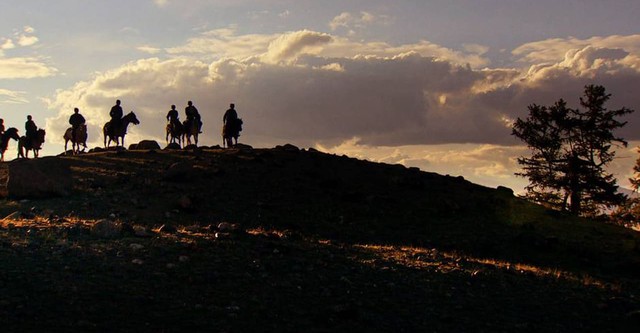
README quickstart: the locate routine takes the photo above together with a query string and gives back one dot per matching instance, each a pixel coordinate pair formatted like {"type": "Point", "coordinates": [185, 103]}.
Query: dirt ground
{"type": "Point", "coordinates": [308, 242]}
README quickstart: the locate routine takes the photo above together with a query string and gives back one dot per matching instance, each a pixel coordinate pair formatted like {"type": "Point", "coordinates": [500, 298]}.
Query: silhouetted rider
{"type": "Point", "coordinates": [116, 117]}
{"type": "Point", "coordinates": [193, 115]}
{"type": "Point", "coordinates": [31, 128]}
{"type": "Point", "coordinates": [173, 116]}
{"type": "Point", "coordinates": [76, 120]}
{"type": "Point", "coordinates": [230, 118]}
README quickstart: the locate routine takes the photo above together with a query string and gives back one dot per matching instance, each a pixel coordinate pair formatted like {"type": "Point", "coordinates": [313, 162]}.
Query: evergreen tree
{"type": "Point", "coordinates": [570, 151]}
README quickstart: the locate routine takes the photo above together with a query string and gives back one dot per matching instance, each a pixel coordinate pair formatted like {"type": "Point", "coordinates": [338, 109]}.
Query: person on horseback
{"type": "Point", "coordinates": [230, 119]}
{"type": "Point", "coordinates": [31, 128]}
{"type": "Point", "coordinates": [193, 115]}
{"type": "Point", "coordinates": [76, 120]}
{"type": "Point", "coordinates": [116, 117]}
{"type": "Point", "coordinates": [172, 117]}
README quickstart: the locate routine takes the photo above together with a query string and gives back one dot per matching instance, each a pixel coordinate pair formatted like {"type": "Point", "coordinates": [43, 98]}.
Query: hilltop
{"type": "Point", "coordinates": [285, 239]}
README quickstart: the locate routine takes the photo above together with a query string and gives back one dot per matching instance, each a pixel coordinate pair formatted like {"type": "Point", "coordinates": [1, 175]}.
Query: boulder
{"type": "Point", "coordinates": [242, 146]}
{"type": "Point", "coordinates": [287, 147]}
{"type": "Point", "coordinates": [106, 229]}
{"type": "Point", "coordinates": [39, 178]}
{"type": "Point", "coordinates": [172, 146]}
{"type": "Point", "coordinates": [145, 145]}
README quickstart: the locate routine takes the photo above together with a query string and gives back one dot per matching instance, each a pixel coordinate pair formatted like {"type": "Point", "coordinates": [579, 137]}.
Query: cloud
{"type": "Point", "coordinates": [7, 45]}
{"type": "Point", "coordinates": [555, 49]}
{"type": "Point", "coordinates": [361, 20]}
{"type": "Point", "coordinates": [161, 3]}
{"type": "Point", "coordinates": [291, 45]}
{"type": "Point", "coordinates": [25, 40]}
{"type": "Point", "coordinates": [311, 88]}
{"type": "Point", "coordinates": [149, 49]}
{"type": "Point", "coordinates": [25, 68]}
{"type": "Point", "coordinates": [12, 97]}
{"type": "Point", "coordinates": [226, 43]}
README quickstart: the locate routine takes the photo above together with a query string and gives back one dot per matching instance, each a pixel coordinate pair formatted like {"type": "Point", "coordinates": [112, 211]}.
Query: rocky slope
{"type": "Point", "coordinates": [295, 240]}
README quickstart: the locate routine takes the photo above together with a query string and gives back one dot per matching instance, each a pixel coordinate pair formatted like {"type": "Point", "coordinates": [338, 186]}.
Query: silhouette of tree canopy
{"type": "Point", "coordinates": [571, 149]}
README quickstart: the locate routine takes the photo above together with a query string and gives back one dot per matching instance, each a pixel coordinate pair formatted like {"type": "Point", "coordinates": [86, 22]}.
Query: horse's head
{"type": "Point", "coordinates": [40, 134]}
{"type": "Point", "coordinates": [12, 133]}
{"type": "Point", "coordinates": [131, 117]}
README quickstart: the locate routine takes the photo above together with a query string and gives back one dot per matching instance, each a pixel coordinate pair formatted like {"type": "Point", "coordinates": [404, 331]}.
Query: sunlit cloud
{"type": "Point", "coordinates": [7, 44]}
{"type": "Point", "coordinates": [351, 21]}
{"type": "Point", "coordinates": [161, 3]}
{"type": "Point", "coordinates": [555, 49]}
{"type": "Point", "coordinates": [25, 68]}
{"type": "Point", "coordinates": [149, 49]}
{"type": "Point", "coordinates": [12, 97]}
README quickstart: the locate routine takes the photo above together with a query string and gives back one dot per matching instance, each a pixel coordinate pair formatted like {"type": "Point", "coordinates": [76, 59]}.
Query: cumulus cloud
{"type": "Point", "coordinates": [309, 88]}
{"type": "Point", "coordinates": [25, 68]}
{"type": "Point", "coordinates": [555, 49]}
{"type": "Point", "coordinates": [291, 45]}
{"type": "Point", "coordinates": [226, 43]}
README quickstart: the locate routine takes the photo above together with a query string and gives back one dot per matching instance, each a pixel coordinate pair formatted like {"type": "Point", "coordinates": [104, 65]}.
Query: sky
{"type": "Point", "coordinates": [429, 84]}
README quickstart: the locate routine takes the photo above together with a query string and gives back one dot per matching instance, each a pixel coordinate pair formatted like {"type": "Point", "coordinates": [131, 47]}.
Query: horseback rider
{"type": "Point", "coordinates": [76, 120]}
{"type": "Point", "coordinates": [172, 117]}
{"type": "Point", "coordinates": [193, 115]}
{"type": "Point", "coordinates": [230, 119]}
{"type": "Point", "coordinates": [31, 128]}
{"type": "Point", "coordinates": [116, 117]}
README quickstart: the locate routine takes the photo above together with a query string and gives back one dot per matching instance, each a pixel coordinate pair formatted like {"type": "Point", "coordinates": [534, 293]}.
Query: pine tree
{"type": "Point", "coordinates": [571, 149]}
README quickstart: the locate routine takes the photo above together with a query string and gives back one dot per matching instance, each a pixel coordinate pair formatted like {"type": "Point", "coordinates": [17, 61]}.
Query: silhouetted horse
{"type": "Point", "coordinates": [10, 133]}
{"type": "Point", "coordinates": [190, 129]}
{"type": "Point", "coordinates": [229, 131]}
{"type": "Point", "coordinates": [25, 144]}
{"type": "Point", "coordinates": [81, 139]}
{"type": "Point", "coordinates": [175, 131]}
{"type": "Point", "coordinates": [119, 131]}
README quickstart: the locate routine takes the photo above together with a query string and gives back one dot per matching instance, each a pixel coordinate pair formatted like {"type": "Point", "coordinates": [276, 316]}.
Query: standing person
{"type": "Point", "coordinates": [76, 120]}
{"type": "Point", "coordinates": [193, 115]}
{"type": "Point", "coordinates": [31, 128]}
{"type": "Point", "coordinates": [116, 115]}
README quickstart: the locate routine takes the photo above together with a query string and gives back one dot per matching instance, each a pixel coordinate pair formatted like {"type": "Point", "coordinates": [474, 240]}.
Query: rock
{"type": "Point", "coordinates": [140, 231]}
{"type": "Point", "coordinates": [179, 171]}
{"type": "Point", "coordinates": [172, 146]}
{"type": "Point", "coordinates": [146, 145]}
{"type": "Point", "coordinates": [42, 178]}
{"type": "Point", "coordinates": [227, 227]}
{"type": "Point", "coordinates": [136, 246]}
{"type": "Point", "coordinates": [287, 147]}
{"type": "Point", "coordinates": [96, 150]}
{"type": "Point", "coordinates": [185, 202]}
{"type": "Point", "coordinates": [168, 229]}
{"type": "Point", "coordinates": [106, 229]}
{"type": "Point", "coordinates": [505, 190]}
{"type": "Point", "coordinates": [242, 146]}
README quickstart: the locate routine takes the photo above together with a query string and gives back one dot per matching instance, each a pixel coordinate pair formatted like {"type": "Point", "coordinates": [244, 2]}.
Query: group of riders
{"type": "Point", "coordinates": [29, 126]}
{"type": "Point", "coordinates": [232, 124]}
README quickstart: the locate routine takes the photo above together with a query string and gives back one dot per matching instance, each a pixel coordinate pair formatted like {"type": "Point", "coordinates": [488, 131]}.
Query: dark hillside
{"type": "Point", "coordinates": [323, 243]}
